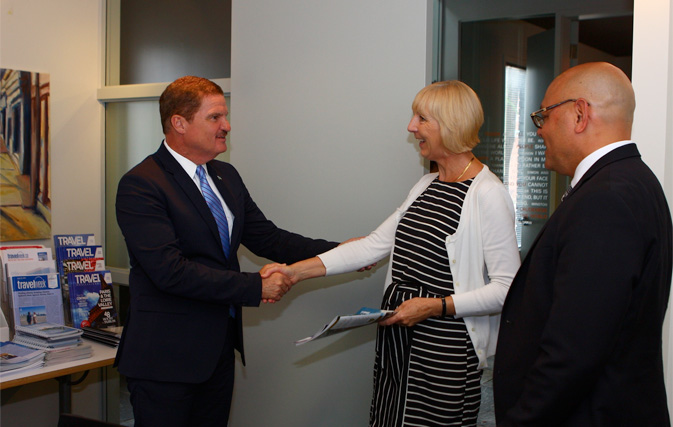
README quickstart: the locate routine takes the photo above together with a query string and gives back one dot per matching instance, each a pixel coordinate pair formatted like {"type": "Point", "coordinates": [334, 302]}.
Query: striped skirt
{"type": "Point", "coordinates": [425, 375]}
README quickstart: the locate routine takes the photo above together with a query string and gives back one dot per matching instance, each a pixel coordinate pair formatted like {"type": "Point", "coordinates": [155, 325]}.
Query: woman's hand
{"type": "Point", "coordinates": [284, 269]}
{"type": "Point", "coordinates": [302, 270]}
{"type": "Point", "coordinates": [416, 310]}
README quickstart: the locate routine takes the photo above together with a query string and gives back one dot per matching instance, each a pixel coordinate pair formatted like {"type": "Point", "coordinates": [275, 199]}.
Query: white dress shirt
{"type": "Point", "coordinates": [190, 168]}
{"type": "Point", "coordinates": [592, 158]}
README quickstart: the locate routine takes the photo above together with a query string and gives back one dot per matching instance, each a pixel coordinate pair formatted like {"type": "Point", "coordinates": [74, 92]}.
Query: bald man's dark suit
{"type": "Point", "coordinates": [580, 340]}
{"type": "Point", "coordinates": [180, 282]}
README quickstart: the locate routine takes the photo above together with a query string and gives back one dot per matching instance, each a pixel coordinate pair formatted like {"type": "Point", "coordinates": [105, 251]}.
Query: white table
{"type": "Point", "coordinates": [103, 356]}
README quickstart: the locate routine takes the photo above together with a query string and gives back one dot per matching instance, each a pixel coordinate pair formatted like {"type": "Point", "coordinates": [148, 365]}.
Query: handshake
{"type": "Point", "coordinates": [277, 280]}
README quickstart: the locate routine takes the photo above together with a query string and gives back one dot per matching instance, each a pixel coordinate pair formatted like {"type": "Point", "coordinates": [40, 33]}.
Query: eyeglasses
{"type": "Point", "coordinates": [538, 118]}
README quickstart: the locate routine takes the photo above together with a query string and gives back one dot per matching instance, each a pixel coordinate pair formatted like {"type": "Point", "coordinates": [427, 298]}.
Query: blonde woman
{"type": "Point", "coordinates": [453, 255]}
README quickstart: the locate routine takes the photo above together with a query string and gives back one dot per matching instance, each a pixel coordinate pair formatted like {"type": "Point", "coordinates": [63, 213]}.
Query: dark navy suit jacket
{"type": "Point", "coordinates": [181, 284]}
{"type": "Point", "coordinates": [580, 340]}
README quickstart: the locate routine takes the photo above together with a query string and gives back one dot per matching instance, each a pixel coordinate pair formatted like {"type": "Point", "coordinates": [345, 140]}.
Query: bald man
{"type": "Point", "coordinates": [580, 336]}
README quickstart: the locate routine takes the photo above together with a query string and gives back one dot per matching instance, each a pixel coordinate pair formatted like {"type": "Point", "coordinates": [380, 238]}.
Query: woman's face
{"type": "Point", "coordinates": [426, 131]}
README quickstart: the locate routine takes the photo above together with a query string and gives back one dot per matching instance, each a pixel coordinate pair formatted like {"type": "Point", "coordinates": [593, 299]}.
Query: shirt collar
{"type": "Point", "coordinates": [187, 165]}
{"type": "Point", "coordinates": [592, 158]}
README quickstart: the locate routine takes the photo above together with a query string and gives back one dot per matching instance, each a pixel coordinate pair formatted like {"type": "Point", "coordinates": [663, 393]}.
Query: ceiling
{"type": "Point", "coordinates": [611, 35]}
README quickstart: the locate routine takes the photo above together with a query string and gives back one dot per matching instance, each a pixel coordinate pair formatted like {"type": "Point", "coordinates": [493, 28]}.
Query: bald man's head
{"type": "Point", "coordinates": [604, 86]}
{"type": "Point", "coordinates": [601, 113]}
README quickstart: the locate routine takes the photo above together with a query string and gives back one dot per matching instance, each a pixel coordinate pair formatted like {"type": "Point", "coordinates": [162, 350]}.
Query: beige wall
{"type": "Point", "coordinates": [62, 38]}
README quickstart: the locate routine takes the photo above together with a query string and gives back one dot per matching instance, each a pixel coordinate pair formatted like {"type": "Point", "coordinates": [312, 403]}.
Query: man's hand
{"type": "Point", "coordinates": [270, 270]}
{"type": "Point", "coordinates": [274, 286]}
{"type": "Point", "coordinates": [284, 269]}
{"type": "Point", "coordinates": [302, 270]}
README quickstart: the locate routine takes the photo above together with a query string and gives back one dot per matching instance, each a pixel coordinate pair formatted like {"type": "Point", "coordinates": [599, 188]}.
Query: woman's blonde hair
{"type": "Point", "coordinates": [457, 109]}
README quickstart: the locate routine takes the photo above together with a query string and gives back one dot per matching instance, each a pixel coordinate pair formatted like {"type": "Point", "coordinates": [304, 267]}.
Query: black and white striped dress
{"type": "Point", "coordinates": [425, 375]}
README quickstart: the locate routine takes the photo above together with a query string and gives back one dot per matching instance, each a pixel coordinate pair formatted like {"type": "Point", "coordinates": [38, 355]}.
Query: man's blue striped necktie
{"type": "Point", "coordinates": [216, 208]}
{"type": "Point", "coordinates": [220, 218]}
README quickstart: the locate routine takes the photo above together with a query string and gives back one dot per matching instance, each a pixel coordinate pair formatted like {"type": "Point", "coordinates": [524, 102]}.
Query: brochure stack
{"type": "Point", "coordinates": [48, 335]}
{"type": "Point", "coordinates": [109, 335]}
{"type": "Point", "coordinates": [60, 343]}
{"type": "Point", "coordinates": [15, 358]}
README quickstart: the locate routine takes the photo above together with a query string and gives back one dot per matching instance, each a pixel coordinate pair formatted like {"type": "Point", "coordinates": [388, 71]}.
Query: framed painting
{"type": "Point", "coordinates": [25, 202]}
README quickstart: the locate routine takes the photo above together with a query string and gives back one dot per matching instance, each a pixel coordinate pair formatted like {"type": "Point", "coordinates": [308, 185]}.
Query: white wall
{"type": "Point", "coordinates": [653, 85]}
{"type": "Point", "coordinates": [653, 123]}
{"type": "Point", "coordinates": [321, 97]}
{"type": "Point", "coordinates": [61, 38]}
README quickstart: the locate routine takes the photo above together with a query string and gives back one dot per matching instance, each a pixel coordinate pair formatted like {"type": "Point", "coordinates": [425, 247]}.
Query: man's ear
{"type": "Point", "coordinates": [179, 123]}
{"type": "Point", "coordinates": [581, 115]}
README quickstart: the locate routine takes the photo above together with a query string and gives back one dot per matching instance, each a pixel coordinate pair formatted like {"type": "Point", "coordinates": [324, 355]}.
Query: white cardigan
{"type": "Point", "coordinates": [483, 255]}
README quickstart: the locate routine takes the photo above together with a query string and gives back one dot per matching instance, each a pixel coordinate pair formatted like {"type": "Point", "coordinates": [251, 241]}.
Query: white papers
{"type": "Point", "coordinates": [34, 365]}
{"type": "Point", "coordinates": [14, 357]}
{"type": "Point", "coordinates": [365, 316]}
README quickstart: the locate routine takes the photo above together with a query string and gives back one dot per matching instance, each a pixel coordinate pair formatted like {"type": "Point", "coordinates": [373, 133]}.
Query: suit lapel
{"type": "Point", "coordinates": [185, 182]}
{"type": "Point", "coordinates": [629, 150]}
{"type": "Point", "coordinates": [623, 152]}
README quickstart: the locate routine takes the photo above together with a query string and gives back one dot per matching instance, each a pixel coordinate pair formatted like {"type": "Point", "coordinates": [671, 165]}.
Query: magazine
{"type": "Point", "coordinates": [79, 351]}
{"type": "Point", "coordinates": [30, 267]}
{"type": "Point", "coordinates": [61, 240]}
{"type": "Point", "coordinates": [364, 316]}
{"type": "Point", "coordinates": [13, 354]}
{"type": "Point", "coordinates": [81, 265]}
{"type": "Point", "coordinates": [78, 258]}
{"type": "Point", "coordinates": [108, 335]}
{"type": "Point", "coordinates": [18, 255]}
{"type": "Point", "coordinates": [46, 344]}
{"type": "Point", "coordinates": [24, 253]}
{"type": "Point", "coordinates": [79, 252]}
{"type": "Point", "coordinates": [92, 299]}
{"type": "Point", "coordinates": [34, 365]}
{"type": "Point", "coordinates": [49, 331]}
{"type": "Point", "coordinates": [36, 298]}
{"type": "Point", "coordinates": [71, 257]}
